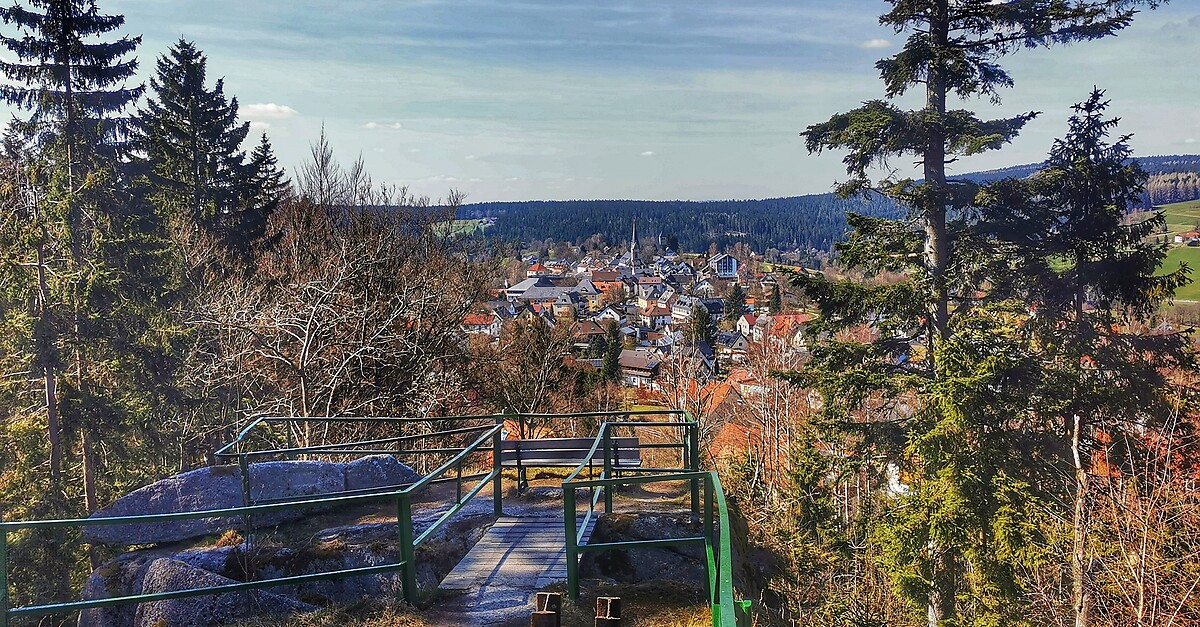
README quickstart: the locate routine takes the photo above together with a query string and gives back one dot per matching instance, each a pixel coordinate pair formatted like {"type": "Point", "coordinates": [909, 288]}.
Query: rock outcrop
{"type": "Point", "coordinates": [220, 487]}
{"type": "Point", "coordinates": [681, 563]}
{"type": "Point", "coordinates": [162, 569]}
{"type": "Point", "coordinates": [165, 575]}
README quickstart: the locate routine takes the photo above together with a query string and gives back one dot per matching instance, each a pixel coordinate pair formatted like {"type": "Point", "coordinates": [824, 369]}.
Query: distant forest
{"type": "Point", "coordinates": [812, 222]}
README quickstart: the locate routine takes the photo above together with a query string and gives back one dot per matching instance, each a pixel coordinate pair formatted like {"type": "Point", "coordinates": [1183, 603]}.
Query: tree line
{"type": "Point", "coordinates": [162, 279]}
{"type": "Point", "coordinates": [1002, 384]}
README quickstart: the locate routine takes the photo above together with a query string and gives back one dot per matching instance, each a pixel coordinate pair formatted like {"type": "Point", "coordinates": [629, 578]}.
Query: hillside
{"type": "Point", "coordinates": [815, 221]}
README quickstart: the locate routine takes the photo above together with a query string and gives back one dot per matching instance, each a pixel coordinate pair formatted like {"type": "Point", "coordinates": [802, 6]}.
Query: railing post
{"type": "Point", "coordinates": [694, 464]}
{"type": "Point", "coordinates": [572, 550]}
{"type": "Point", "coordinates": [3, 578]}
{"type": "Point", "coordinates": [710, 539]}
{"type": "Point", "coordinates": [408, 571]}
{"type": "Point", "coordinates": [497, 466]}
{"type": "Point", "coordinates": [608, 474]}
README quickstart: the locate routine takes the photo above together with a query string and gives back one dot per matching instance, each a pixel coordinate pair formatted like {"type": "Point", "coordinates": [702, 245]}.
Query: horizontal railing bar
{"type": "Point", "coordinates": [597, 414]}
{"type": "Point", "coordinates": [681, 476]}
{"type": "Point", "coordinates": [634, 544]}
{"type": "Point", "coordinates": [467, 450]}
{"type": "Point", "coordinates": [384, 451]}
{"type": "Point", "coordinates": [323, 448]}
{"type": "Point", "coordinates": [106, 521]}
{"type": "Point", "coordinates": [41, 610]}
{"type": "Point", "coordinates": [454, 509]}
{"type": "Point", "coordinates": [644, 469]}
{"type": "Point", "coordinates": [375, 418]}
{"type": "Point", "coordinates": [660, 445]}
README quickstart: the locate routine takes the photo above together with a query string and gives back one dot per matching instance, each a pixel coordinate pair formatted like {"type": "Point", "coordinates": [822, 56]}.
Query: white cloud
{"type": "Point", "coordinates": [469, 157]}
{"type": "Point", "coordinates": [1190, 140]}
{"type": "Point", "coordinates": [475, 180]}
{"type": "Point", "coordinates": [874, 44]}
{"type": "Point", "coordinates": [394, 126]}
{"type": "Point", "coordinates": [269, 110]}
{"type": "Point", "coordinates": [648, 153]}
{"type": "Point", "coordinates": [259, 126]}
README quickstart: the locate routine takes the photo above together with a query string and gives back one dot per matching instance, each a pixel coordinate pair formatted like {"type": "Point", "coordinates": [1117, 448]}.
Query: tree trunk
{"type": "Point", "coordinates": [46, 349]}
{"type": "Point", "coordinates": [941, 600]}
{"type": "Point", "coordinates": [1081, 595]}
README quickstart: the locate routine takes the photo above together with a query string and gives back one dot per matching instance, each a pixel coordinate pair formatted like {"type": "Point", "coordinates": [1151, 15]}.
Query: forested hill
{"type": "Point", "coordinates": [786, 223]}
{"type": "Point", "coordinates": [815, 221]}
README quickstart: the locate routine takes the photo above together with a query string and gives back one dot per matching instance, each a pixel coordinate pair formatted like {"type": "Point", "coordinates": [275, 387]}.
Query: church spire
{"type": "Point", "coordinates": [633, 245]}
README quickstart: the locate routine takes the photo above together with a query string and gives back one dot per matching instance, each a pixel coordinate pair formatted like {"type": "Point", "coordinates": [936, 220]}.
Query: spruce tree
{"type": "Point", "coordinates": [76, 88]}
{"type": "Point", "coordinates": [775, 301]}
{"type": "Point", "coordinates": [953, 49]}
{"type": "Point", "coordinates": [190, 138]}
{"type": "Point", "coordinates": [610, 366]}
{"type": "Point", "coordinates": [1093, 278]}
{"type": "Point", "coordinates": [735, 303]}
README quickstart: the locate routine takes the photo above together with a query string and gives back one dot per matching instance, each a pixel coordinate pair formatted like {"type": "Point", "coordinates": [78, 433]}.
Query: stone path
{"type": "Point", "coordinates": [518, 556]}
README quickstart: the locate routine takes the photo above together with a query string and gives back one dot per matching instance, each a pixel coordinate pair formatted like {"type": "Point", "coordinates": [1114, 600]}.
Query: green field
{"type": "Point", "coordinates": [464, 227]}
{"type": "Point", "coordinates": [1181, 216]}
{"type": "Point", "coordinates": [1191, 256]}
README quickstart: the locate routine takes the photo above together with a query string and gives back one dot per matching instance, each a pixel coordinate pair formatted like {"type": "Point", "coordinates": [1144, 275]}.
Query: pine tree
{"type": "Point", "coordinates": [76, 90]}
{"type": "Point", "coordinates": [699, 328]}
{"type": "Point", "coordinates": [610, 366]}
{"type": "Point", "coordinates": [953, 49]}
{"type": "Point", "coordinates": [775, 301]}
{"type": "Point", "coordinates": [190, 138]}
{"type": "Point", "coordinates": [1093, 277]}
{"type": "Point", "coordinates": [735, 303]}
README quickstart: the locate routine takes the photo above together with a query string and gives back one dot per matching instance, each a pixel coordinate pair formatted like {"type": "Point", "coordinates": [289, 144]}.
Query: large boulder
{"type": "Point", "coordinates": [166, 575]}
{"type": "Point", "coordinates": [377, 471]}
{"type": "Point", "coordinates": [217, 487]}
{"type": "Point", "coordinates": [678, 563]}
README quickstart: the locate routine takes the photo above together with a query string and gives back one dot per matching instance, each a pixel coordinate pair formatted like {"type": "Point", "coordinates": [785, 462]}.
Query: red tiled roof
{"type": "Point", "coordinates": [478, 319]}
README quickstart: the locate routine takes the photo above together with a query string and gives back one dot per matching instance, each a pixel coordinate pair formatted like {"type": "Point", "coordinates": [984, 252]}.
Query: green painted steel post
{"type": "Point", "coordinates": [3, 578]}
{"type": "Point", "coordinates": [694, 465]}
{"type": "Point", "coordinates": [572, 539]}
{"type": "Point", "coordinates": [244, 467]}
{"type": "Point", "coordinates": [497, 496]}
{"type": "Point", "coordinates": [709, 539]}
{"type": "Point", "coordinates": [408, 572]}
{"type": "Point", "coordinates": [608, 474]}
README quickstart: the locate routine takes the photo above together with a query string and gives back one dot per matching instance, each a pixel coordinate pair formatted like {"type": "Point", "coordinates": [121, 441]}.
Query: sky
{"type": "Point", "coordinates": [645, 99]}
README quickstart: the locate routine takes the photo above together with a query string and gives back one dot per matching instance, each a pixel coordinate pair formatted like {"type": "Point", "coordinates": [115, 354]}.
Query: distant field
{"type": "Point", "coordinates": [1181, 216]}
{"type": "Point", "coordinates": [465, 227]}
{"type": "Point", "coordinates": [1191, 256]}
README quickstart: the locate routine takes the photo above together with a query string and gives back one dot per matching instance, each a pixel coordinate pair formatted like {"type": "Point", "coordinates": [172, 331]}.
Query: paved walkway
{"type": "Point", "coordinates": [518, 556]}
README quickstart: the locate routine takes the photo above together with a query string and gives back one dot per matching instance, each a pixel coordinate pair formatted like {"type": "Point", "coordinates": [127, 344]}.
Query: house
{"type": "Point", "coordinates": [681, 310]}
{"type": "Point", "coordinates": [655, 317]}
{"type": "Point", "coordinates": [482, 323]}
{"type": "Point", "coordinates": [745, 324]}
{"type": "Point", "coordinates": [537, 270]}
{"type": "Point", "coordinates": [587, 333]}
{"type": "Point", "coordinates": [732, 345]}
{"type": "Point", "coordinates": [569, 305]}
{"type": "Point", "coordinates": [746, 382]}
{"type": "Point", "coordinates": [590, 293]}
{"type": "Point", "coordinates": [723, 266]}
{"type": "Point", "coordinates": [1190, 236]}
{"type": "Point", "coordinates": [612, 313]}
{"type": "Point", "coordinates": [639, 368]}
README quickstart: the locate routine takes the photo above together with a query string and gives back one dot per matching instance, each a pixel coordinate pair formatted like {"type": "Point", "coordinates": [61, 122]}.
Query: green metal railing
{"type": "Point", "coordinates": [726, 612]}
{"type": "Point", "coordinates": [401, 495]}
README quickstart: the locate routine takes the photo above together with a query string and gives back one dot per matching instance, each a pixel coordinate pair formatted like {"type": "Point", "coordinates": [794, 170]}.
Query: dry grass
{"type": "Point", "coordinates": [648, 604]}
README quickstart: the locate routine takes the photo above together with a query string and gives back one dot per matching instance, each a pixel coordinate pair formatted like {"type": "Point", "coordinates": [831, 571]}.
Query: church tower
{"type": "Point", "coordinates": [633, 246]}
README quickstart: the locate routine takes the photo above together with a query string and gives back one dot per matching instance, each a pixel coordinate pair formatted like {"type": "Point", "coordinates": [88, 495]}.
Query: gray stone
{"type": "Point", "coordinates": [377, 471]}
{"type": "Point", "coordinates": [166, 575]}
{"type": "Point", "coordinates": [217, 487]}
{"type": "Point", "coordinates": [683, 563]}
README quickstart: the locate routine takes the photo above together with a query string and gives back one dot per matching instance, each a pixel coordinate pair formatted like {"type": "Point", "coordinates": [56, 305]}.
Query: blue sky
{"type": "Point", "coordinates": [654, 99]}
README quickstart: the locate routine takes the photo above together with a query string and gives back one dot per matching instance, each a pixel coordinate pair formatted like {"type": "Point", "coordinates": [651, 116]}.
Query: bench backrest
{"type": "Point", "coordinates": [559, 451]}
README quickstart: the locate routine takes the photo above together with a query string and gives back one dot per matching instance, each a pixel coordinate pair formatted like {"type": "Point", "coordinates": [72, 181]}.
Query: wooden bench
{"type": "Point", "coordinates": [566, 453]}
